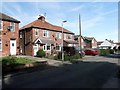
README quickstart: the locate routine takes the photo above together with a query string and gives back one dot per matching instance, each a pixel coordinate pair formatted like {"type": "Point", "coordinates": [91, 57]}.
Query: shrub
{"type": "Point", "coordinates": [76, 56]}
{"type": "Point", "coordinates": [67, 57]}
{"type": "Point", "coordinates": [14, 61]}
{"type": "Point", "coordinates": [111, 51]}
{"type": "Point", "coordinates": [40, 53]}
{"type": "Point", "coordinates": [104, 52]}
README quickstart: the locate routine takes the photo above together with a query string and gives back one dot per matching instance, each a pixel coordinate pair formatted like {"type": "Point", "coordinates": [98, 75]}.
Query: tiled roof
{"type": "Point", "coordinates": [45, 25]}
{"type": "Point", "coordinates": [99, 43]}
{"type": "Point", "coordinates": [89, 38]}
{"type": "Point", "coordinates": [8, 18]}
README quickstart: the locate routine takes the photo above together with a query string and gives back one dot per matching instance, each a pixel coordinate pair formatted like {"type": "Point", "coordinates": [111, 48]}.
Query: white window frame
{"type": "Point", "coordinates": [46, 32]}
{"type": "Point", "coordinates": [13, 28]}
{"type": "Point", "coordinates": [59, 47]}
{"type": "Point", "coordinates": [36, 31]}
{"type": "Point", "coordinates": [70, 37]}
{"type": "Point", "coordinates": [1, 44]}
{"type": "Point", "coordinates": [20, 34]}
{"type": "Point", "coordinates": [45, 47]}
{"type": "Point", "coordinates": [59, 35]}
{"type": "Point", "coordinates": [1, 25]}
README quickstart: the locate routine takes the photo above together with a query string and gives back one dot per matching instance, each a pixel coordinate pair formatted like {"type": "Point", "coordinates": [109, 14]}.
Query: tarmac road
{"type": "Point", "coordinates": [93, 72]}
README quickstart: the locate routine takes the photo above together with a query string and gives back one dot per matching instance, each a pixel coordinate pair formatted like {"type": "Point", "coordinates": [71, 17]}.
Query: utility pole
{"type": "Point", "coordinates": [80, 34]}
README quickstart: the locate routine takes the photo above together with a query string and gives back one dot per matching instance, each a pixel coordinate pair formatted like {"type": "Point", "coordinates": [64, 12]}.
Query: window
{"type": "Point", "coordinates": [58, 35]}
{"type": "Point", "coordinates": [12, 25]}
{"type": "Point", "coordinates": [0, 45]}
{"type": "Point", "coordinates": [36, 32]}
{"type": "Point", "coordinates": [0, 24]}
{"type": "Point", "coordinates": [70, 37]}
{"type": "Point", "coordinates": [58, 47]}
{"type": "Point", "coordinates": [47, 47]}
{"type": "Point", "coordinates": [45, 33]}
{"type": "Point", "coordinates": [44, 47]}
{"type": "Point", "coordinates": [64, 36]}
{"type": "Point", "coordinates": [20, 34]}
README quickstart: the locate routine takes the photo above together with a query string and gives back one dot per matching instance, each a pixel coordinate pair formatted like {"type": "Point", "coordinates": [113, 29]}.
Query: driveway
{"type": "Point", "coordinates": [92, 72]}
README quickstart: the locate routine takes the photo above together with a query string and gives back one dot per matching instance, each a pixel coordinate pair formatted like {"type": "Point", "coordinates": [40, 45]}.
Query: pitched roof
{"type": "Point", "coordinates": [89, 38]}
{"type": "Point", "coordinates": [76, 37]}
{"type": "Point", "coordinates": [8, 18]}
{"type": "Point", "coordinates": [84, 37]}
{"type": "Point", "coordinates": [99, 43]}
{"type": "Point", "coordinates": [45, 25]}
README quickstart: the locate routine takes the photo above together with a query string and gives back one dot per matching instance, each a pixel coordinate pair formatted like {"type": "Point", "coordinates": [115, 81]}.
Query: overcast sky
{"type": "Point", "coordinates": [99, 19]}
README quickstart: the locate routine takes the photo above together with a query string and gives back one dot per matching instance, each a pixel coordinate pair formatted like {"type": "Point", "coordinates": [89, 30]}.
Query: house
{"type": "Point", "coordinates": [9, 38]}
{"type": "Point", "coordinates": [40, 34]}
{"type": "Point", "coordinates": [86, 42]}
{"type": "Point", "coordinates": [107, 44]}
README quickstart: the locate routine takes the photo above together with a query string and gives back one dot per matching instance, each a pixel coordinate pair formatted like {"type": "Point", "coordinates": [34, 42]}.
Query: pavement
{"type": "Point", "coordinates": [67, 75]}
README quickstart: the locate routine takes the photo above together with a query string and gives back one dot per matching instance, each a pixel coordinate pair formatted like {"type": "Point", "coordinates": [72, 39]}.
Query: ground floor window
{"type": "Point", "coordinates": [47, 47]}
{"type": "Point", "coordinates": [58, 47]}
{"type": "Point", "coordinates": [0, 45]}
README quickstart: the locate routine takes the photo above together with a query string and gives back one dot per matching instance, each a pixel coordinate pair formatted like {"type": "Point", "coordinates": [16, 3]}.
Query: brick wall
{"type": "Point", "coordinates": [6, 35]}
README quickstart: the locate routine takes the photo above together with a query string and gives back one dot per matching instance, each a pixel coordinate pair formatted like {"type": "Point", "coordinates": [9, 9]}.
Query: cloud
{"type": "Point", "coordinates": [77, 8]}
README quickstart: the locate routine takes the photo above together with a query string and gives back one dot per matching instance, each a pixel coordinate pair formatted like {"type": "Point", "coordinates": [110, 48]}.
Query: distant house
{"type": "Point", "coordinates": [9, 35]}
{"type": "Point", "coordinates": [107, 44]}
{"type": "Point", "coordinates": [86, 42]}
{"type": "Point", "coordinates": [40, 34]}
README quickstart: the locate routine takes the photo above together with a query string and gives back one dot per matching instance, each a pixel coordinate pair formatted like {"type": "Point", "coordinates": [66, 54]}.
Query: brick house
{"type": "Point", "coordinates": [9, 38]}
{"type": "Point", "coordinates": [86, 42]}
{"type": "Point", "coordinates": [40, 34]}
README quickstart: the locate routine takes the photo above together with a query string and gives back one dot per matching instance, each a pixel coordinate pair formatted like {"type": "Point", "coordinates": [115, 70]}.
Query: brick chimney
{"type": "Point", "coordinates": [41, 18]}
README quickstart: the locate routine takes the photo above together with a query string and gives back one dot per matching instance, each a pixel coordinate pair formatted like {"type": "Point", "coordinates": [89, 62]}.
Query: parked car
{"type": "Point", "coordinates": [91, 52]}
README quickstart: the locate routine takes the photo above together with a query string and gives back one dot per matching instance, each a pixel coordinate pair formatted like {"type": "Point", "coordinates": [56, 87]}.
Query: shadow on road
{"type": "Point", "coordinates": [75, 75]}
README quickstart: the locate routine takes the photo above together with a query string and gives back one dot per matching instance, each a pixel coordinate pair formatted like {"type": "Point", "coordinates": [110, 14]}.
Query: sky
{"type": "Point", "coordinates": [98, 19]}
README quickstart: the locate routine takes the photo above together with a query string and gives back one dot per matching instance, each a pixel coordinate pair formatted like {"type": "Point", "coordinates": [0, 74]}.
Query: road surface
{"type": "Point", "coordinates": [93, 72]}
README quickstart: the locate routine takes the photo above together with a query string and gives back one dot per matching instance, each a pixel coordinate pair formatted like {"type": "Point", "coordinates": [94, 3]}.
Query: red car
{"type": "Point", "coordinates": [91, 52]}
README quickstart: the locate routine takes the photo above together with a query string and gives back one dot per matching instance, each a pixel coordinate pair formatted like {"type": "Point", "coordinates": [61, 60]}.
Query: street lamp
{"type": "Point", "coordinates": [62, 41]}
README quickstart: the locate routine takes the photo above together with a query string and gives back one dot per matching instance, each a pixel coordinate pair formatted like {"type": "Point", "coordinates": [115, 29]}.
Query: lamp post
{"type": "Point", "coordinates": [62, 41]}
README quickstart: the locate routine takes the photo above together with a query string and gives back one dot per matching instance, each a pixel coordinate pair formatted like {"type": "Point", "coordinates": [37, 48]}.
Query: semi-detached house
{"type": "Point", "coordinates": [9, 38]}
{"type": "Point", "coordinates": [40, 34]}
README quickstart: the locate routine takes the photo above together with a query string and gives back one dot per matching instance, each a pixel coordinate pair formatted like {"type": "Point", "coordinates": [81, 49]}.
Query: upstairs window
{"type": "Point", "coordinates": [70, 37]}
{"type": "Point", "coordinates": [20, 34]}
{"type": "Point", "coordinates": [45, 33]}
{"type": "Point", "coordinates": [58, 35]}
{"type": "Point", "coordinates": [0, 24]}
{"type": "Point", "coordinates": [36, 32]}
{"type": "Point", "coordinates": [12, 27]}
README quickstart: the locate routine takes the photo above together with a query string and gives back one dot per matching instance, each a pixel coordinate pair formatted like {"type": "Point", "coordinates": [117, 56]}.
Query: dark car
{"type": "Point", "coordinates": [91, 52]}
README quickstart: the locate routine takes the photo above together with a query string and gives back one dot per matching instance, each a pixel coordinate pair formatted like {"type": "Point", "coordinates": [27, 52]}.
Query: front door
{"type": "Point", "coordinates": [12, 47]}
{"type": "Point", "coordinates": [35, 47]}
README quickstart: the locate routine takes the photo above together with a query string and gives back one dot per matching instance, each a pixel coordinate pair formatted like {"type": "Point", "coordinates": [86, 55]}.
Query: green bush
{"type": "Point", "coordinates": [40, 53]}
{"type": "Point", "coordinates": [76, 56]}
{"type": "Point", "coordinates": [104, 52]}
{"type": "Point", "coordinates": [67, 57]}
{"type": "Point", "coordinates": [14, 61]}
{"type": "Point", "coordinates": [111, 51]}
